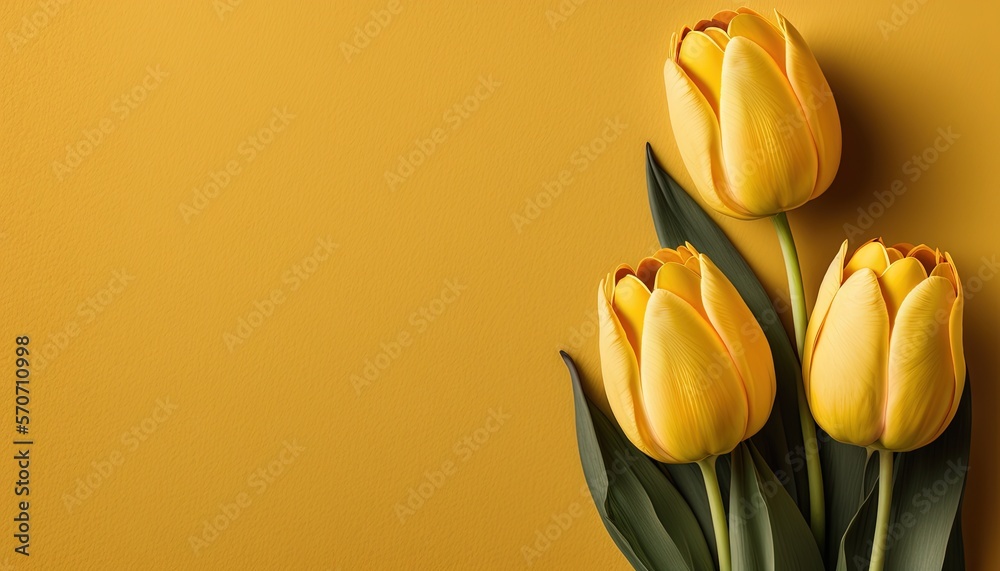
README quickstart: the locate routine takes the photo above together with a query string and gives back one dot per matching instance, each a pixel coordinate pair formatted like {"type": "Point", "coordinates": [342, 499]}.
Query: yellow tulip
{"type": "Point", "coordinates": [883, 364]}
{"type": "Point", "coordinates": [687, 369]}
{"type": "Point", "coordinates": [753, 115]}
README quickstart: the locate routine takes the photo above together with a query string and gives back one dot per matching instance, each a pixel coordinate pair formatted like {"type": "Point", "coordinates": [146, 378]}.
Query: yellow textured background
{"type": "Point", "coordinates": [529, 289]}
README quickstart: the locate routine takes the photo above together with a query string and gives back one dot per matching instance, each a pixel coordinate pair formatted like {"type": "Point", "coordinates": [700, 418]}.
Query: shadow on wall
{"type": "Point", "coordinates": [865, 165]}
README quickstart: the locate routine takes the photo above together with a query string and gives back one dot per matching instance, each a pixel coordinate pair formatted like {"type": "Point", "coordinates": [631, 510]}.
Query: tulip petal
{"type": "Point", "coordinates": [719, 36]}
{"type": "Point", "coordinates": [629, 305]}
{"type": "Point", "coordinates": [692, 393]}
{"type": "Point", "coordinates": [816, 98]}
{"type": "Point", "coordinates": [761, 32]}
{"type": "Point", "coordinates": [870, 255]}
{"type": "Point", "coordinates": [848, 375]}
{"type": "Point", "coordinates": [903, 247]}
{"type": "Point", "coordinates": [725, 16]}
{"type": "Point", "coordinates": [946, 271]}
{"type": "Point", "coordinates": [899, 280]}
{"type": "Point", "coordinates": [693, 264]}
{"type": "Point", "coordinates": [701, 58]}
{"type": "Point", "coordinates": [827, 290]}
{"type": "Point", "coordinates": [927, 257]}
{"type": "Point", "coordinates": [667, 255]}
{"type": "Point", "coordinates": [681, 281]}
{"type": "Point", "coordinates": [921, 385]}
{"type": "Point", "coordinates": [768, 151]}
{"type": "Point", "coordinates": [894, 255]}
{"type": "Point", "coordinates": [701, 25]}
{"type": "Point", "coordinates": [646, 271]}
{"type": "Point", "coordinates": [957, 351]}
{"type": "Point", "coordinates": [620, 272]}
{"type": "Point", "coordinates": [620, 370]}
{"type": "Point", "coordinates": [674, 46]}
{"type": "Point", "coordinates": [955, 325]}
{"type": "Point", "coordinates": [745, 341]}
{"type": "Point", "coordinates": [696, 130]}
{"type": "Point", "coordinates": [685, 253]}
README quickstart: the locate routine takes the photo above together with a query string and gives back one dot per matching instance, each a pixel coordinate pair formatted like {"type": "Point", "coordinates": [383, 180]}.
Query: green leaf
{"type": "Point", "coordinates": [844, 490]}
{"type": "Point", "coordinates": [678, 219]}
{"type": "Point", "coordinates": [856, 544]}
{"type": "Point", "coordinates": [767, 531]}
{"type": "Point", "coordinates": [925, 526]}
{"type": "Point", "coordinates": [749, 533]}
{"type": "Point", "coordinates": [927, 491]}
{"type": "Point", "coordinates": [689, 482]}
{"type": "Point", "coordinates": [643, 512]}
{"type": "Point", "coordinates": [954, 560]}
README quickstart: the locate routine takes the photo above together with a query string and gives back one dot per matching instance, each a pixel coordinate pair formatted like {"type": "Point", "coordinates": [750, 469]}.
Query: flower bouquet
{"type": "Point", "coordinates": [713, 440]}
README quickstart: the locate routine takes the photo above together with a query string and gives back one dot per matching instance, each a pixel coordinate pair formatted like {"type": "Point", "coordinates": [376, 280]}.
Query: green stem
{"type": "Point", "coordinates": [795, 289]}
{"type": "Point", "coordinates": [718, 512]}
{"type": "Point", "coordinates": [884, 503]}
{"type": "Point", "coordinates": [817, 508]}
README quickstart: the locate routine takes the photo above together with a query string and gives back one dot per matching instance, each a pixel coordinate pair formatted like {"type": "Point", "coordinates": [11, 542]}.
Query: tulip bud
{"type": "Point", "coordinates": [687, 369]}
{"type": "Point", "coordinates": [753, 115]}
{"type": "Point", "coordinates": [883, 363]}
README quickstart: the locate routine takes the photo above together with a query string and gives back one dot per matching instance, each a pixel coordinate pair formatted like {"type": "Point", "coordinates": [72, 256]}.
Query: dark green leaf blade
{"type": "Point", "coordinates": [794, 547]}
{"type": "Point", "coordinates": [749, 528]}
{"type": "Point", "coordinates": [928, 485]}
{"type": "Point", "coordinates": [927, 495]}
{"type": "Point", "coordinates": [843, 475]}
{"type": "Point", "coordinates": [689, 482]}
{"type": "Point", "coordinates": [593, 464]}
{"type": "Point", "coordinates": [856, 545]}
{"type": "Point", "coordinates": [767, 531]}
{"type": "Point", "coordinates": [647, 504]}
{"type": "Point", "coordinates": [643, 512]}
{"type": "Point", "coordinates": [954, 560]}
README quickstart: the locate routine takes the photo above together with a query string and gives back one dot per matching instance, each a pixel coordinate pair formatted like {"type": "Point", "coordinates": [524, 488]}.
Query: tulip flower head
{"type": "Point", "coordinates": [883, 364]}
{"type": "Point", "coordinates": [752, 113]}
{"type": "Point", "coordinates": [687, 369]}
